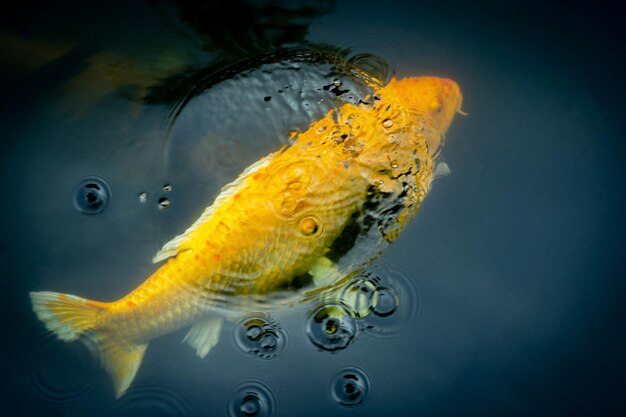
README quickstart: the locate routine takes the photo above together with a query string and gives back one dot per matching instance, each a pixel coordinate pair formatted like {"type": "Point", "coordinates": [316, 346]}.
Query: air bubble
{"type": "Point", "coordinates": [386, 302]}
{"type": "Point", "coordinates": [164, 203]}
{"type": "Point", "coordinates": [261, 336]}
{"type": "Point", "coordinates": [252, 399]}
{"type": "Point", "coordinates": [387, 123]}
{"type": "Point", "coordinates": [92, 195]}
{"type": "Point", "coordinates": [350, 387]}
{"type": "Point", "coordinates": [250, 405]}
{"type": "Point", "coordinates": [167, 187]}
{"type": "Point", "coordinates": [143, 197]}
{"type": "Point", "coordinates": [331, 327]}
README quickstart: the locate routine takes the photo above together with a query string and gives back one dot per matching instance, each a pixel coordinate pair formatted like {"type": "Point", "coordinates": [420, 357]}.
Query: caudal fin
{"type": "Point", "coordinates": [70, 317]}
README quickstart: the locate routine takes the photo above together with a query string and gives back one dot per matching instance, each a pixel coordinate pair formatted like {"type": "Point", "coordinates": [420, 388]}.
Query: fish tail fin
{"type": "Point", "coordinates": [70, 317]}
{"type": "Point", "coordinates": [121, 359]}
{"type": "Point", "coordinates": [66, 315]}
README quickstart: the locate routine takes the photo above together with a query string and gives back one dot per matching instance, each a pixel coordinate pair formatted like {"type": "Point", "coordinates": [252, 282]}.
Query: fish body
{"type": "Point", "coordinates": [286, 221]}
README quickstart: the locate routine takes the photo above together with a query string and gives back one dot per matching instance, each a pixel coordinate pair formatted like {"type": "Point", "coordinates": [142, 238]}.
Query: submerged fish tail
{"type": "Point", "coordinates": [70, 318]}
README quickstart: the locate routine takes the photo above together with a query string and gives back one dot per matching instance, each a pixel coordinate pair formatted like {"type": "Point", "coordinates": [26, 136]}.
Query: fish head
{"type": "Point", "coordinates": [431, 103]}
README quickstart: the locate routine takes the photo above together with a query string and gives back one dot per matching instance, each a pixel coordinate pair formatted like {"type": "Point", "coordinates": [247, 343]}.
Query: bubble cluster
{"type": "Point", "coordinates": [331, 327]}
{"type": "Point", "coordinates": [154, 400]}
{"type": "Point", "coordinates": [92, 196]}
{"type": "Point", "coordinates": [368, 295]}
{"type": "Point", "coordinates": [62, 373]}
{"type": "Point", "coordinates": [350, 387]}
{"type": "Point", "coordinates": [261, 336]}
{"type": "Point", "coordinates": [252, 399]}
{"type": "Point", "coordinates": [389, 300]}
{"type": "Point", "coordinates": [361, 296]}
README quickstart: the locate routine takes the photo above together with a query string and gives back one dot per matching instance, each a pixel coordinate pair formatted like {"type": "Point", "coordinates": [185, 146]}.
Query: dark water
{"type": "Point", "coordinates": [509, 281]}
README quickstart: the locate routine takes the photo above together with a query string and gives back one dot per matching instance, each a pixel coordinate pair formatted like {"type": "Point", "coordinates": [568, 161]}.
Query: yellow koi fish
{"type": "Point", "coordinates": [283, 225]}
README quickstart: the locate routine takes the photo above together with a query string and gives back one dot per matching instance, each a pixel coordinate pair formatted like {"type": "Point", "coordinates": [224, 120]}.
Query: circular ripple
{"type": "Point", "coordinates": [396, 301]}
{"type": "Point", "coordinates": [350, 387]}
{"type": "Point", "coordinates": [92, 195]}
{"type": "Point", "coordinates": [361, 296]}
{"type": "Point", "coordinates": [154, 401]}
{"type": "Point", "coordinates": [331, 327]}
{"type": "Point", "coordinates": [62, 372]}
{"type": "Point", "coordinates": [252, 399]}
{"type": "Point", "coordinates": [261, 336]}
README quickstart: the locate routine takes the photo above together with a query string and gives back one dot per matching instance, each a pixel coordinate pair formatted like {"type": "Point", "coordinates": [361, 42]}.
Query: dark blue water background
{"type": "Point", "coordinates": [511, 278]}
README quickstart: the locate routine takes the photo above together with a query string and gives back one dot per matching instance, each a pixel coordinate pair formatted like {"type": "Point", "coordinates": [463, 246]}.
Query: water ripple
{"type": "Point", "coordinates": [253, 398]}
{"type": "Point", "coordinates": [331, 326]}
{"type": "Point", "coordinates": [61, 372]}
{"type": "Point", "coordinates": [260, 335]}
{"type": "Point", "coordinates": [92, 195]}
{"type": "Point", "coordinates": [396, 301]}
{"type": "Point", "coordinates": [350, 387]}
{"type": "Point", "coordinates": [155, 401]}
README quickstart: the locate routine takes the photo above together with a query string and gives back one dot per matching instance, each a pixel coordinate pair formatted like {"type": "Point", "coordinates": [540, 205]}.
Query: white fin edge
{"type": "Point", "coordinates": [441, 170]}
{"type": "Point", "coordinates": [204, 335]}
{"type": "Point", "coordinates": [173, 247]}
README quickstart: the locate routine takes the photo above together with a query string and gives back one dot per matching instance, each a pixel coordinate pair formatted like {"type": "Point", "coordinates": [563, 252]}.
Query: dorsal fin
{"type": "Point", "coordinates": [175, 245]}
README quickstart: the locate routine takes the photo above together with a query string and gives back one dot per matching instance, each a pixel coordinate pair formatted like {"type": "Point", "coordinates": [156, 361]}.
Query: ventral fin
{"type": "Point", "coordinates": [204, 335]}
{"type": "Point", "coordinates": [176, 245]}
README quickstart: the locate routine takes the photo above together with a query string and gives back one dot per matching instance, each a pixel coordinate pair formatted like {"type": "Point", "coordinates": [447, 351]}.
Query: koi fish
{"type": "Point", "coordinates": [284, 224]}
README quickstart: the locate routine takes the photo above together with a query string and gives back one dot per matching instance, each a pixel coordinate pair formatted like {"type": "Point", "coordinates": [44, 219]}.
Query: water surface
{"type": "Point", "coordinates": [509, 280]}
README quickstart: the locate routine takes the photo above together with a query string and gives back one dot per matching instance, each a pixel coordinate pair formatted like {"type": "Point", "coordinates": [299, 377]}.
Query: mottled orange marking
{"type": "Point", "coordinates": [130, 304]}
{"type": "Point", "coordinates": [237, 196]}
{"type": "Point", "coordinates": [257, 176]}
{"type": "Point", "coordinates": [217, 256]}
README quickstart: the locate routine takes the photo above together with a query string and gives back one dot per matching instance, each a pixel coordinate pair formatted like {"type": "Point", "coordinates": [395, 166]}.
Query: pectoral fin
{"type": "Point", "coordinates": [441, 170]}
{"type": "Point", "coordinates": [204, 335]}
{"type": "Point", "coordinates": [324, 272]}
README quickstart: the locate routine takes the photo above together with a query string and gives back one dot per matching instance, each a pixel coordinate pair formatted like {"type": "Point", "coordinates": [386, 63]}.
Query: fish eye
{"type": "Point", "coordinates": [309, 225]}
{"type": "Point", "coordinates": [436, 106]}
